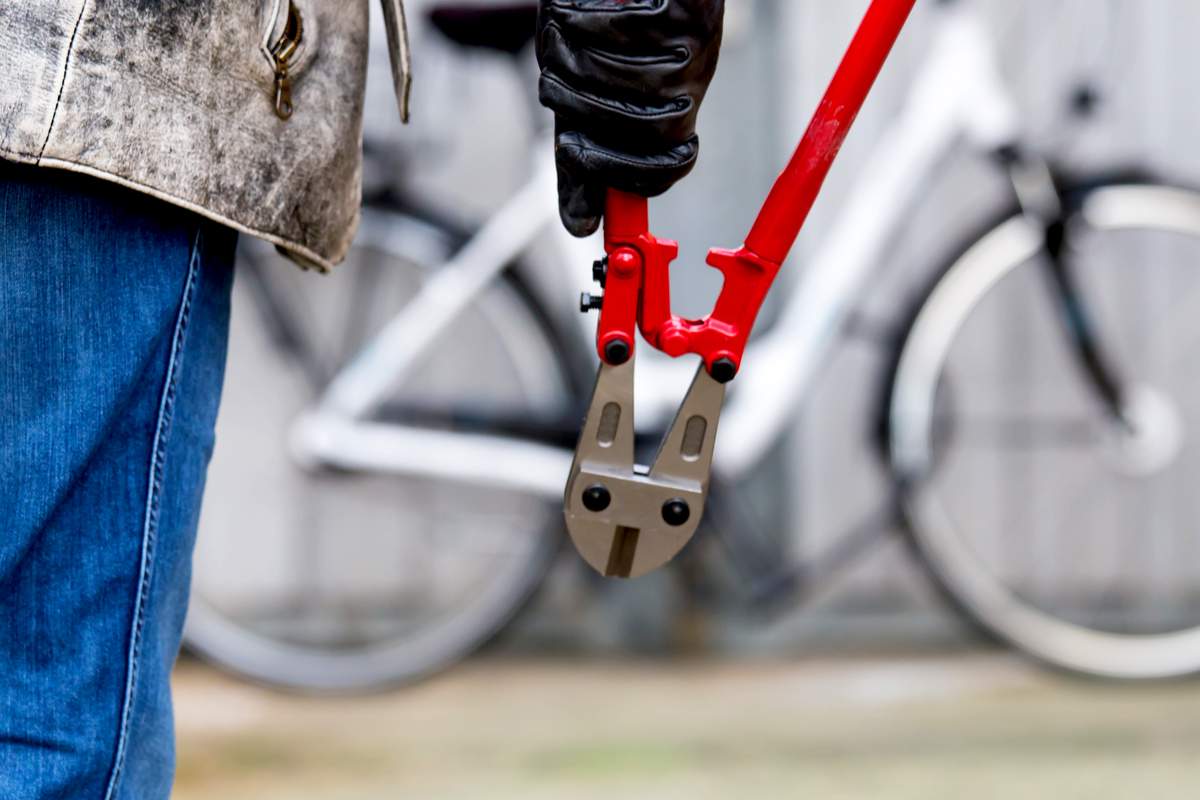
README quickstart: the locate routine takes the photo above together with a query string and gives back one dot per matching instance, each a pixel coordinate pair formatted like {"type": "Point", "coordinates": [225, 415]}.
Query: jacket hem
{"type": "Point", "coordinates": [304, 256]}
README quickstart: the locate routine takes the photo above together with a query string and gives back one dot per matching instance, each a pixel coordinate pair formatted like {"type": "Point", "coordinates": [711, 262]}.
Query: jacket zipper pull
{"type": "Point", "coordinates": [282, 53]}
{"type": "Point", "coordinates": [283, 93]}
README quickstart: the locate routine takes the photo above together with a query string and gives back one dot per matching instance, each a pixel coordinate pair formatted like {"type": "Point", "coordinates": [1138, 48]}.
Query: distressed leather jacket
{"type": "Point", "coordinates": [245, 111]}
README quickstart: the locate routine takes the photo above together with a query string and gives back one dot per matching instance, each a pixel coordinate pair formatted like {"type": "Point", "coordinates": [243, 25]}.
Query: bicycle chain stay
{"type": "Point", "coordinates": [627, 520]}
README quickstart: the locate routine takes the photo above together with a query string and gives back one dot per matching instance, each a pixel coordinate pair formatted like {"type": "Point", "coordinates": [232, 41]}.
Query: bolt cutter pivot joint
{"type": "Point", "coordinates": [638, 293]}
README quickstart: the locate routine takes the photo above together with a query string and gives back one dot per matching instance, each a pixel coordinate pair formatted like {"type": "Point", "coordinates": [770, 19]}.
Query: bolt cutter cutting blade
{"type": "Point", "coordinates": [627, 520]}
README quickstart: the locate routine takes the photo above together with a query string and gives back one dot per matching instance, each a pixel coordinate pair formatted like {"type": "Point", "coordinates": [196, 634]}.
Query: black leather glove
{"type": "Point", "coordinates": [625, 79]}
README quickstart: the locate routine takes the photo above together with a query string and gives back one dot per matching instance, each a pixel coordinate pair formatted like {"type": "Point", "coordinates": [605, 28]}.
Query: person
{"type": "Point", "coordinates": [136, 141]}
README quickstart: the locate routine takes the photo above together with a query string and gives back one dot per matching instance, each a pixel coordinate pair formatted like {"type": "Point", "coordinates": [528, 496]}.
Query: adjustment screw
{"type": "Point", "coordinates": [590, 302]}
{"type": "Point", "coordinates": [723, 370]}
{"type": "Point", "coordinates": [616, 352]}
{"type": "Point", "coordinates": [600, 271]}
{"type": "Point", "coordinates": [596, 498]}
{"type": "Point", "coordinates": [676, 512]}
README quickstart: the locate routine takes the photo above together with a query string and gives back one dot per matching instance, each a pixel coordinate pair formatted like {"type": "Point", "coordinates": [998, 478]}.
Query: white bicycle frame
{"type": "Point", "coordinates": [958, 94]}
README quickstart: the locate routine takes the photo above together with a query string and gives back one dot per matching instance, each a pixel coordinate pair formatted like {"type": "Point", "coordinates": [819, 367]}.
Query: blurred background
{"type": "Point", "coordinates": [828, 662]}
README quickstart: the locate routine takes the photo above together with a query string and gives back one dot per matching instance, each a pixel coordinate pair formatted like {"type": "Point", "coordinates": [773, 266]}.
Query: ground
{"type": "Point", "coordinates": [975, 725]}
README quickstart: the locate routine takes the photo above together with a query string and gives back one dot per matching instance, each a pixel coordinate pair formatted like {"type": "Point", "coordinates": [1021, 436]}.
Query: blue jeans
{"type": "Point", "coordinates": [113, 327]}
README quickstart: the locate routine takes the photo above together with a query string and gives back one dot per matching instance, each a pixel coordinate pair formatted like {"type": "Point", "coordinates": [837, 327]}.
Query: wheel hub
{"type": "Point", "coordinates": [1152, 436]}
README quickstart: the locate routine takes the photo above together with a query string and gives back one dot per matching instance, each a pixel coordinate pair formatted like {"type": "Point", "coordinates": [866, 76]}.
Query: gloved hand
{"type": "Point", "coordinates": [625, 79]}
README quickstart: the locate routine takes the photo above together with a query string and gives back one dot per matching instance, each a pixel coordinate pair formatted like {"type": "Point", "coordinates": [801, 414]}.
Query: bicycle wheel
{"type": "Point", "coordinates": [327, 580]}
{"type": "Point", "coordinates": [1064, 529]}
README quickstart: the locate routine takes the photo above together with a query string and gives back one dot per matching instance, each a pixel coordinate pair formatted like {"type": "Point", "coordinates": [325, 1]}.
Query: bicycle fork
{"type": "Point", "coordinates": [626, 519]}
{"type": "Point", "coordinates": [1041, 201]}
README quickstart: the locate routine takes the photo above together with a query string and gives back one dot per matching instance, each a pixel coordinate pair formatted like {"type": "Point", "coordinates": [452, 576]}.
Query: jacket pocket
{"type": "Point", "coordinates": [289, 44]}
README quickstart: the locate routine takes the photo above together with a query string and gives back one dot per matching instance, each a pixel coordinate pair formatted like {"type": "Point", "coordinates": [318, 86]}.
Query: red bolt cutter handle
{"type": "Point", "coordinates": [638, 292]}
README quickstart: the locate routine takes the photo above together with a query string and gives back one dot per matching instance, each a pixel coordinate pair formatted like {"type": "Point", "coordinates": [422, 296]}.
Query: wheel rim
{"type": "Point", "coordinates": [915, 437]}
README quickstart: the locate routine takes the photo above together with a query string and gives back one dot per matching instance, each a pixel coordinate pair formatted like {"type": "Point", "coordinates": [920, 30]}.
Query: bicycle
{"type": "Point", "coordinates": [406, 408]}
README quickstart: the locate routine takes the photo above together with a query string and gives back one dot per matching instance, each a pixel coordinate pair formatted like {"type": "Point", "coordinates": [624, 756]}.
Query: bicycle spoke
{"type": "Point", "coordinates": [1017, 433]}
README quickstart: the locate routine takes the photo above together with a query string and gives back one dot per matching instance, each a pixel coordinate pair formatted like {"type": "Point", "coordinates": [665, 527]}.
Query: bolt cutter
{"type": "Point", "coordinates": [627, 519]}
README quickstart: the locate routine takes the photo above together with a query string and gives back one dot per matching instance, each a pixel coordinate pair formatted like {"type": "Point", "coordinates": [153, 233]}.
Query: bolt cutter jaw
{"type": "Point", "coordinates": [625, 519]}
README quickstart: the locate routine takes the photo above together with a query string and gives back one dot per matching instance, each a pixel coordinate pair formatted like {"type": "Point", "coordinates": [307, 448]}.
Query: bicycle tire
{"type": "Point", "coordinates": [1129, 202]}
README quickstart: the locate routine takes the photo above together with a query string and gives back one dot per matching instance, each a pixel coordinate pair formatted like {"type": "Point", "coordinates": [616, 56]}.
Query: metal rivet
{"type": "Point", "coordinates": [596, 498]}
{"type": "Point", "coordinates": [676, 512]}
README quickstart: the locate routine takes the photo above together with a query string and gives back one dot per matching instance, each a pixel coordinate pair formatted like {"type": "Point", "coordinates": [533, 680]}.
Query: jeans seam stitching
{"type": "Point", "coordinates": [166, 409]}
